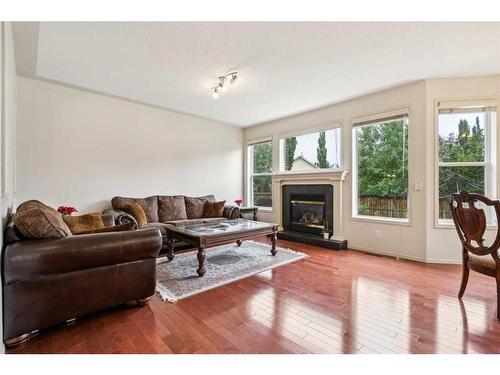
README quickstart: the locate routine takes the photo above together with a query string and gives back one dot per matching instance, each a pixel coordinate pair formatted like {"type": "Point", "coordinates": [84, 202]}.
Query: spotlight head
{"type": "Point", "coordinates": [233, 78]}
{"type": "Point", "coordinates": [215, 93]}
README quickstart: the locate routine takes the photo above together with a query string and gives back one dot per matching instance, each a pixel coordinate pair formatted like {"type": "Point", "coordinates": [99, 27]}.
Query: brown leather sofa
{"type": "Point", "coordinates": [49, 281]}
{"type": "Point", "coordinates": [164, 210]}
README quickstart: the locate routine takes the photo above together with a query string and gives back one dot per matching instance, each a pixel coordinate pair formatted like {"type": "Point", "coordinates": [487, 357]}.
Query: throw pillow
{"type": "Point", "coordinates": [213, 209]}
{"type": "Point", "coordinates": [113, 228]}
{"type": "Point", "coordinates": [171, 208]}
{"type": "Point", "coordinates": [137, 212]}
{"type": "Point", "coordinates": [149, 205]}
{"type": "Point", "coordinates": [83, 223]}
{"type": "Point", "coordinates": [194, 206]}
{"type": "Point", "coordinates": [35, 220]}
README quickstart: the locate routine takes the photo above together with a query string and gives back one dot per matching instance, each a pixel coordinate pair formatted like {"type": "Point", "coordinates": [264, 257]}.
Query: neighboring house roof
{"type": "Point", "coordinates": [305, 160]}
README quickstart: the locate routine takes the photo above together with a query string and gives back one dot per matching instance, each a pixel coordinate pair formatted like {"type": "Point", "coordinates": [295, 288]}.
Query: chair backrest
{"type": "Point", "coordinates": [470, 222]}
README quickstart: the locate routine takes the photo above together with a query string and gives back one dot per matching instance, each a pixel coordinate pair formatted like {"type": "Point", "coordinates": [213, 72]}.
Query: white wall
{"type": "Point", "coordinates": [406, 240]}
{"type": "Point", "coordinates": [8, 133]}
{"type": "Point", "coordinates": [81, 149]}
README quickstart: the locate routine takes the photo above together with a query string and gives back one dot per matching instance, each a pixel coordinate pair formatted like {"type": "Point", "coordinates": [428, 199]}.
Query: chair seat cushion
{"type": "Point", "coordinates": [483, 261]}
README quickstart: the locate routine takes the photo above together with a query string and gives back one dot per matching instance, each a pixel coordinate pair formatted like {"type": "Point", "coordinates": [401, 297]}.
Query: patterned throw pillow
{"type": "Point", "coordinates": [35, 220]}
{"type": "Point", "coordinates": [137, 212]}
{"type": "Point", "coordinates": [84, 223]}
{"type": "Point", "coordinates": [194, 206]}
{"type": "Point", "coordinates": [213, 209]}
{"type": "Point", "coordinates": [171, 208]}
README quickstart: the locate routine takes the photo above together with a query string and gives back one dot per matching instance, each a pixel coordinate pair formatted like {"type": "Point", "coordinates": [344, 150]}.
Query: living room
{"type": "Point", "coordinates": [252, 187]}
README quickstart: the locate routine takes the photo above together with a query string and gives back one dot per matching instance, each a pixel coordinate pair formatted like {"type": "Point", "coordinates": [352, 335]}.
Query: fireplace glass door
{"type": "Point", "coordinates": [307, 215]}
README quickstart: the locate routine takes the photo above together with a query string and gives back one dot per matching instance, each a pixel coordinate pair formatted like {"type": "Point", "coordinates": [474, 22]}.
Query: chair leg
{"type": "Point", "coordinates": [498, 295]}
{"type": "Point", "coordinates": [465, 278]}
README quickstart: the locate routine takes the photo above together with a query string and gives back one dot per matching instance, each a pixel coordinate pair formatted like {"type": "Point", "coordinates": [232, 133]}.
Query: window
{"type": "Point", "coordinates": [466, 149]}
{"type": "Point", "coordinates": [260, 160]}
{"type": "Point", "coordinates": [380, 163]}
{"type": "Point", "coordinates": [310, 152]}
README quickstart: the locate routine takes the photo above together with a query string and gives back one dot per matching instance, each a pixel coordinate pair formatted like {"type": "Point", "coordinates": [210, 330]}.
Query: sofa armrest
{"type": "Point", "coordinates": [121, 217]}
{"type": "Point", "coordinates": [231, 212]}
{"type": "Point", "coordinates": [29, 259]}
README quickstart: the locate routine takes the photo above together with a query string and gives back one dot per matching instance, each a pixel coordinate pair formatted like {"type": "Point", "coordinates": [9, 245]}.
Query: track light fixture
{"type": "Point", "coordinates": [223, 84]}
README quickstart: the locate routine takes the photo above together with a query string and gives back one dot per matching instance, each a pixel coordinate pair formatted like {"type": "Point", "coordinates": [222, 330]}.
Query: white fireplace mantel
{"type": "Point", "coordinates": [334, 178]}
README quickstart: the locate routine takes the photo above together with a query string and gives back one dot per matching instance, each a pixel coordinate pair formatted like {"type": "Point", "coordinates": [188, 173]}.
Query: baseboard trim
{"type": "Point", "coordinates": [404, 256]}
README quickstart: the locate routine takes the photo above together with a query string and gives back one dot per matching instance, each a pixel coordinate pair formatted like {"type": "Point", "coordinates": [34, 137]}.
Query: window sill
{"type": "Point", "coordinates": [267, 210]}
{"type": "Point", "coordinates": [381, 220]}
{"type": "Point", "coordinates": [452, 226]}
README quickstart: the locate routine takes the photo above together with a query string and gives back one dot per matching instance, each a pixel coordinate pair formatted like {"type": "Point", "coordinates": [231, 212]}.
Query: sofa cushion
{"type": "Point", "coordinates": [149, 205]}
{"type": "Point", "coordinates": [213, 209]}
{"type": "Point", "coordinates": [195, 205]}
{"type": "Point", "coordinates": [137, 212]}
{"type": "Point", "coordinates": [161, 226]}
{"type": "Point", "coordinates": [112, 228]}
{"type": "Point", "coordinates": [35, 220]}
{"type": "Point", "coordinates": [171, 207]}
{"type": "Point", "coordinates": [84, 223]}
{"type": "Point", "coordinates": [185, 222]}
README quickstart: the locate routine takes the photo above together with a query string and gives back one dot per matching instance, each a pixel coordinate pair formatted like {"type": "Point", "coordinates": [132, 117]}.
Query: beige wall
{"type": "Point", "coordinates": [81, 149]}
{"type": "Point", "coordinates": [419, 239]}
{"type": "Point", "coordinates": [8, 131]}
{"type": "Point", "coordinates": [442, 243]}
{"type": "Point", "coordinates": [400, 240]}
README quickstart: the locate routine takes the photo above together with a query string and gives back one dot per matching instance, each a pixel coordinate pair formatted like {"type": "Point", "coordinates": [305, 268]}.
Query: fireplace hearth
{"type": "Point", "coordinates": [307, 212]}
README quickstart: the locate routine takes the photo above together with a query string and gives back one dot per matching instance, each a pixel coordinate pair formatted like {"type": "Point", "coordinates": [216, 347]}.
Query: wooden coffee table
{"type": "Point", "coordinates": [214, 234]}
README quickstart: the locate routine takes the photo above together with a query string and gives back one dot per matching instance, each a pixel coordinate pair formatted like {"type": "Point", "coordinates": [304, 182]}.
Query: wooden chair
{"type": "Point", "coordinates": [470, 223]}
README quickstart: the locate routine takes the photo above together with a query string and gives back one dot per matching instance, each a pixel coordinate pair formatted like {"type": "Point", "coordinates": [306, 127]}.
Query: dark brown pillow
{"type": "Point", "coordinates": [113, 228]}
{"type": "Point", "coordinates": [171, 208]}
{"type": "Point", "coordinates": [194, 206]}
{"type": "Point", "coordinates": [36, 220]}
{"type": "Point", "coordinates": [84, 223]}
{"type": "Point", "coordinates": [137, 212]}
{"type": "Point", "coordinates": [149, 205]}
{"type": "Point", "coordinates": [213, 209]}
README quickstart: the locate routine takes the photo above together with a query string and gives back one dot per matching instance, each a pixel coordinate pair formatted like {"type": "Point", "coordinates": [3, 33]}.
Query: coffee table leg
{"type": "Point", "coordinates": [273, 243]}
{"type": "Point", "coordinates": [170, 250]}
{"type": "Point", "coordinates": [239, 242]}
{"type": "Point", "coordinates": [201, 261]}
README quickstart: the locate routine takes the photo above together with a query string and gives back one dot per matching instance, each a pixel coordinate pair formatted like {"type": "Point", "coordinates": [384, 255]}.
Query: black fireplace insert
{"type": "Point", "coordinates": [307, 208]}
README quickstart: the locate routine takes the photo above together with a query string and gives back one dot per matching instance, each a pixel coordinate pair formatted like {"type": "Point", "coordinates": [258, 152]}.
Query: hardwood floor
{"type": "Point", "coordinates": [332, 302]}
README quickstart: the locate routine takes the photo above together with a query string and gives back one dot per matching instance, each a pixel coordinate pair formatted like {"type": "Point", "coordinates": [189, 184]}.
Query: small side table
{"type": "Point", "coordinates": [249, 210]}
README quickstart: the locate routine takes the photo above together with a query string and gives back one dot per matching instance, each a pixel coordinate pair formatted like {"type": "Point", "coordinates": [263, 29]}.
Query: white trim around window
{"type": "Point", "coordinates": [450, 106]}
{"type": "Point", "coordinates": [250, 174]}
{"type": "Point", "coordinates": [338, 124]}
{"type": "Point", "coordinates": [370, 120]}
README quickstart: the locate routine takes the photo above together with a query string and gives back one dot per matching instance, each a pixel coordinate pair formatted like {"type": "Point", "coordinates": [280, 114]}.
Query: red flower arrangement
{"type": "Point", "coordinates": [238, 202]}
{"type": "Point", "coordinates": [66, 210]}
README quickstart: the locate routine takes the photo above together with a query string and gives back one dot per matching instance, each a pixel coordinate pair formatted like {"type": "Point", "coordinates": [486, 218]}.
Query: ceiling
{"type": "Point", "coordinates": [284, 67]}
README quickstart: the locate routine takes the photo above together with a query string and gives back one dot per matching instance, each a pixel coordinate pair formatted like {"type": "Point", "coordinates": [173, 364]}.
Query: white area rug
{"type": "Point", "coordinates": [178, 279]}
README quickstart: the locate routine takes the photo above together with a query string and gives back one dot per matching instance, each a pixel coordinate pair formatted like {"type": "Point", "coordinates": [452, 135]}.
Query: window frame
{"type": "Point", "coordinates": [490, 154]}
{"type": "Point", "coordinates": [330, 126]}
{"type": "Point", "coordinates": [251, 174]}
{"type": "Point", "coordinates": [374, 119]}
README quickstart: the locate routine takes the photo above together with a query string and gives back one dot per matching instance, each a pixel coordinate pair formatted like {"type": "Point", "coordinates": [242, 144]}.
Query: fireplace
{"type": "Point", "coordinates": [307, 208]}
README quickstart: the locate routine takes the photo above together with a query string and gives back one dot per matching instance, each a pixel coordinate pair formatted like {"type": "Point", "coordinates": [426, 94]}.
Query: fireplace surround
{"type": "Point", "coordinates": [307, 208]}
{"type": "Point", "coordinates": [303, 200]}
